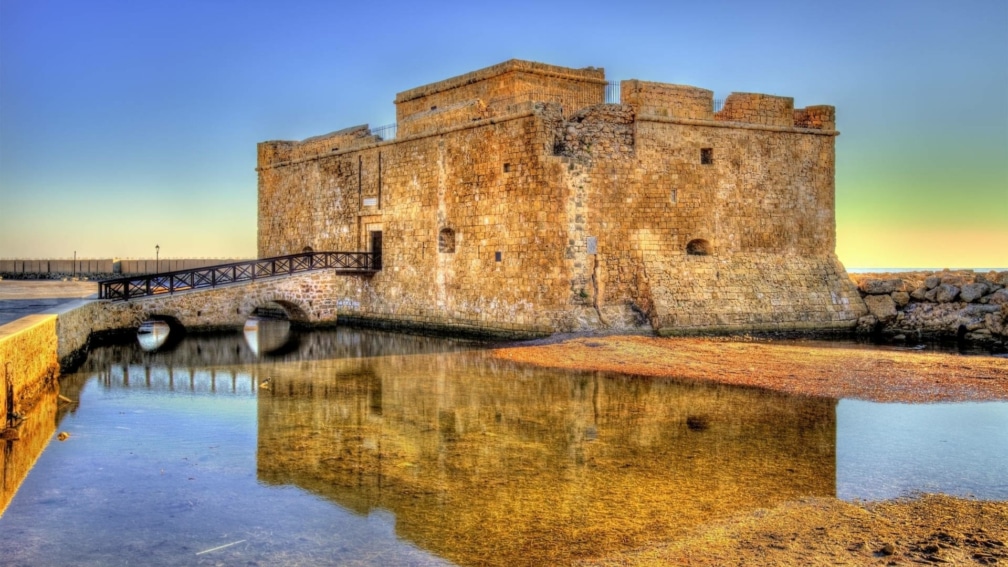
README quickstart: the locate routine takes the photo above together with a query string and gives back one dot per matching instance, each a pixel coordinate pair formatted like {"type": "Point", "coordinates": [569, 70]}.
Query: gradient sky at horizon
{"type": "Point", "coordinates": [127, 124]}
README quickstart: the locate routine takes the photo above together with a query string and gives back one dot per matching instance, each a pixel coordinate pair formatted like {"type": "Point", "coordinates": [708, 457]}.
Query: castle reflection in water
{"type": "Point", "coordinates": [484, 462]}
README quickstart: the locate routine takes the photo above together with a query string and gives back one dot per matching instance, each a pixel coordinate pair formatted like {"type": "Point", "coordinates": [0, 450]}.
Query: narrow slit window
{"type": "Point", "coordinates": [507, 168]}
{"type": "Point", "coordinates": [446, 241]}
{"type": "Point", "coordinates": [706, 156]}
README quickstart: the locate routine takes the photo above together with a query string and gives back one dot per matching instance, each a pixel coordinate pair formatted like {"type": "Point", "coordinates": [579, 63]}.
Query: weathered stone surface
{"type": "Point", "coordinates": [946, 293]}
{"type": "Point", "coordinates": [882, 307]}
{"type": "Point", "coordinates": [564, 210]}
{"type": "Point", "coordinates": [867, 324]}
{"type": "Point", "coordinates": [901, 298]}
{"type": "Point", "coordinates": [972, 292]}
{"type": "Point", "coordinates": [920, 294]}
{"type": "Point", "coordinates": [874, 286]}
{"type": "Point", "coordinates": [932, 282]}
{"type": "Point", "coordinates": [999, 297]}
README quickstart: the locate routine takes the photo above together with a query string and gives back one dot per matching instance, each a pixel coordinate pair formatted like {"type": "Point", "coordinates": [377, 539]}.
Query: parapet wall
{"type": "Point", "coordinates": [763, 109]}
{"type": "Point", "coordinates": [507, 83]}
{"type": "Point", "coordinates": [280, 151]}
{"type": "Point", "coordinates": [673, 101]}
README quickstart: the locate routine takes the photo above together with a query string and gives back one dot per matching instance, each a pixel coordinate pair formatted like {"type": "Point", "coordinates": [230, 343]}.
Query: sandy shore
{"type": "Point", "coordinates": [929, 529]}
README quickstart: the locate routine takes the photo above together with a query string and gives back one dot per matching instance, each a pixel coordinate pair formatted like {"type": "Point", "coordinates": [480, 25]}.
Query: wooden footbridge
{"type": "Point", "coordinates": [124, 289]}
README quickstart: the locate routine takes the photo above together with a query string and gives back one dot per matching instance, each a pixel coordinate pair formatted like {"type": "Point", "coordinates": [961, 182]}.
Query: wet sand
{"type": "Point", "coordinates": [928, 529]}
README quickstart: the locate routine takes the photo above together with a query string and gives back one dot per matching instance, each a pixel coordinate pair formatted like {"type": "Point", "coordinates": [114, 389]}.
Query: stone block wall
{"type": "Point", "coordinates": [754, 108]}
{"type": "Point", "coordinates": [507, 83]}
{"type": "Point", "coordinates": [676, 101]}
{"type": "Point", "coordinates": [544, 220]}
{"type": "Point", "coordinates": [28, 363]}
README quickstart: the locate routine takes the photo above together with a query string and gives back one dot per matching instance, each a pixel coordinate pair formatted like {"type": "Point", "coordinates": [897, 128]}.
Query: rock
{"type": "Point", "coordinates": [875, 286]}
{"type": "Point", "coordinates": [972, 292]}
{"type": "Point", "coordinates": [999, 297]}
{"type": "Point", "coordinates": [932, 282]}
{"type": "Point", "coordinates": [867, 324]}
{"type": "Point", "coordinates": [946, 293]}
{"type": "Point", "coordinates": [1002, 279]}
{"type": "Point", "coordinates": [901, 298]}
{"type": "Point", "coordinates": [919, 293]}
{"type": "Point", "coordinates": [931, 295]}
{"type": "Point", "coordinates": [887, 549]}
{"type": "Point", "coordinates": [882, 307]}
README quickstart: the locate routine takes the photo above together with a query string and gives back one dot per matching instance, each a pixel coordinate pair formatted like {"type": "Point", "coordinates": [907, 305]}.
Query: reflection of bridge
{"type": "Point", "coordinates": [238, 272]}
{"type": "Point", "coordinates": [179, 379]}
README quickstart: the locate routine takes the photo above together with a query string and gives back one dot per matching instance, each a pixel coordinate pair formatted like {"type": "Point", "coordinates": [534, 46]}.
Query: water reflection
{"type": "Point", "coordinates": [484, 463]}
{"type": "Point", "coordinates": [30, 433]}
{"type": "Point", "coordinates": [265, 336]}
{"type": "Point", "coordinates": [152, 335]}
{"type": "Point", "coordinates": [384, 449]}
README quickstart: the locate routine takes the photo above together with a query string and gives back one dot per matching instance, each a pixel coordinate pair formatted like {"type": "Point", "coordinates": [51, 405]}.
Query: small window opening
{"type": "Point", "coordinates": [699, 247]}
{"type": "Point", "coordinates": [446, 241]}
{"type": "Point", "coordinates": [507, 168]}
{"type": "Point", "coordinates": [433, 107]}
{"type": "Point", "coordinates": [497, 256]}
{"type": "Point", "coordinates": [673, 195]}
{"type": "Point", "coordinates": [706, 156]}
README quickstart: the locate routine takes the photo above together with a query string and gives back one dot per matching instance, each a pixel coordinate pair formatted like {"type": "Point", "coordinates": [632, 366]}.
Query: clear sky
{"type": "Point", "coordinates": [125, 124]}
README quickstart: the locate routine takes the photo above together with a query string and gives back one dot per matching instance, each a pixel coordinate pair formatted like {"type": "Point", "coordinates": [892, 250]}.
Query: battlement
{"type": "Point", "coordinates": [505, 84]}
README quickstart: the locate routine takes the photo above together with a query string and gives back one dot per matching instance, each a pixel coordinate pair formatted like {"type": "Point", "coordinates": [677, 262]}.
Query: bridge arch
{"type": "Point", "coordinates": [280, 308]}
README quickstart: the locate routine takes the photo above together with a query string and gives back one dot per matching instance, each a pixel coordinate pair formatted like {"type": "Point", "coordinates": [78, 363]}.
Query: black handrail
{"type": "Point", "coordinates": [124, 289]}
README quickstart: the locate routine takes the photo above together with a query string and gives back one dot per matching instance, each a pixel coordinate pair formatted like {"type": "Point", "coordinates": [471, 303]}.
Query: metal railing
{"type": "Point", "coordinates": [612, 92]}
{"type": "Point", "coordinates": [124, 289]}
{"type": "Point", "coordinates": [386, 132]}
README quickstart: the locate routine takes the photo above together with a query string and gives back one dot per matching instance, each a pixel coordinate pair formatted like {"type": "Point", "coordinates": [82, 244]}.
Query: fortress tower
{"type": "Point", "coordinates": [515, 200]}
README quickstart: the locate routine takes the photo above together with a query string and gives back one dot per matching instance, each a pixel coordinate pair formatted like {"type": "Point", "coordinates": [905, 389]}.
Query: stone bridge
{"type": "Point", "coordinates": [309, 298]}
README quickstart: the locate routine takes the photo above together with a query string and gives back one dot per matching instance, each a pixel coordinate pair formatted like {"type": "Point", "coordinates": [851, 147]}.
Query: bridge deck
{"type": "Point", "coordinates": [124, 289]}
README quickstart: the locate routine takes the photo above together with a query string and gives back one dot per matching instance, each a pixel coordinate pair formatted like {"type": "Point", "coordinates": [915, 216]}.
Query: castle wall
{"type": "Point", "coordinates": [653, 212]}
{"type": "Point", "coordinates": [507, 84]}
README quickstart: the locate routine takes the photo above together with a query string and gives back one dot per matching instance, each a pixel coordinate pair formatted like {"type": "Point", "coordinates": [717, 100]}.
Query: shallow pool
{"type": "Point", "coordinates": [364, 448]}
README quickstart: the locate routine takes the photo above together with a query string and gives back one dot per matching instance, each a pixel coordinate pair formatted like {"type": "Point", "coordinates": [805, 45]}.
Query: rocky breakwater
{"type": "Point", "coordinates": [962, 305]}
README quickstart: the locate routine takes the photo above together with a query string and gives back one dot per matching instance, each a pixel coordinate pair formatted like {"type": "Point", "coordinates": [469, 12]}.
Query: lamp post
{"type": "Point", "coordinates": [157, 257]}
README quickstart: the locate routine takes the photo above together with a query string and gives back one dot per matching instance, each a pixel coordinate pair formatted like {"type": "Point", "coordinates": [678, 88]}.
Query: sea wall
{"type": "Point", "coordinates": [963, 305]}
{"type": "Point", "coordinates": [101, 268]}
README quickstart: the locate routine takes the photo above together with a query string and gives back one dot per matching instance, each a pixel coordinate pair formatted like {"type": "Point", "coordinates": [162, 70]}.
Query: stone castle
{"type": "Point", "coordinates": [514, 200]}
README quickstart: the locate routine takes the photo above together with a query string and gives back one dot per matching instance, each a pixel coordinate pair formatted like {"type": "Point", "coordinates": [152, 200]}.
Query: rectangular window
{"type": "Point", "coordinates": [706, 156]}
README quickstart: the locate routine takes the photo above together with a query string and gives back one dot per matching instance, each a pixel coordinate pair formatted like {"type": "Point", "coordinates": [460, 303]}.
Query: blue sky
{"type": "Point", "coordinates": [126, 124]}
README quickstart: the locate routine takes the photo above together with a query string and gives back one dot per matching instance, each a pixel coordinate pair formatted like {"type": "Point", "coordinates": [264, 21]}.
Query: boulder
{"type": "Point", "coordinates": [882, 307]}
{"type": "Point", "coordinates": [946, 293]}
{"type": "Point", "coordinates": [999, 297]}
{"type": "Point", "coordinates": [900, 298]}
{"type": "Point", "coordinates": [932, 282]}
{"type": "Point", "coordinates": [920, 294]}
{"type": "Point", "coordinates": [867, 324]}
{"type": "Point", "coordinates": [972, 292]}
{"type": "Point", "coordinates": [1002, 279]}
{"type": "Point", "coordinates": [875, 286]}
